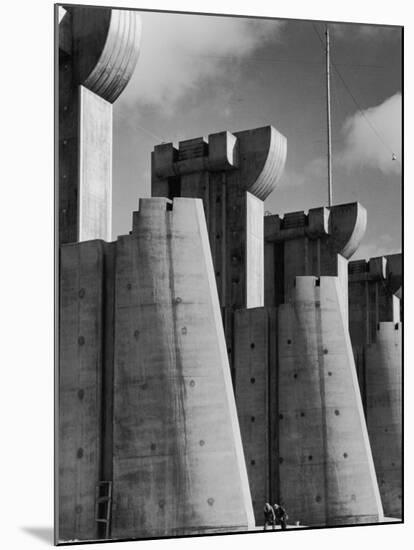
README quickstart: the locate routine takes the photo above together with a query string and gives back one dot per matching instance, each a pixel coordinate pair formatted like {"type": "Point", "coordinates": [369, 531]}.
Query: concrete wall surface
{"type": "Point", "coordinates": [146, 401]}
{"type": "Point", "coordinates": [178, 460]}
{"type": "Point", "coordinates": [80, 386]}
{"type": "Point", "coordinates": [255, 345]}
{"type": "Point", "coordinates": [375, 330]}
{"type": "Point", "coordinates": [384, 413]}
{"type": "Point", "coordinates": [326, 471]}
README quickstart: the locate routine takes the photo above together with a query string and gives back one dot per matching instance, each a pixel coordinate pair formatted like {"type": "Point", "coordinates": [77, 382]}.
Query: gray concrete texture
{"type": "Point", "coordinates": [326, 475]}
{"type": "Point", "coordinates": [98, 51]}
{"type": "Point", "coordinates": [375, 331]}
{"type": "Point", "coordinates": [141, 318]}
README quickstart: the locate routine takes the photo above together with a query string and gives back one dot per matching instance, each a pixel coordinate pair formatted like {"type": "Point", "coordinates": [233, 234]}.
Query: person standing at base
{"type": "Point", "coordinates": [269, 516]}
{"type": "Point", "coordinates": [281, 516]}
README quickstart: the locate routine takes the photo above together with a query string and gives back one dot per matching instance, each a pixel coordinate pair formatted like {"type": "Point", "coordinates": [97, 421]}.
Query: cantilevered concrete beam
{"type": "Point", "coordinates": [98, 51]}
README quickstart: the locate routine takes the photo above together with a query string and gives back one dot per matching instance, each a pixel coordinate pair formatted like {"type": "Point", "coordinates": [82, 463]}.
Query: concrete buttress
{"type": "Point", "coordinates": [178, 460]}
{"type": "Point", "coordinates": [146, 402]}
{"type": "Point", "coordinates": [375, 329]}
{"type": "Point", "coordinates": [233, 174]}
{"type": "Point", "coordinates": [326, 471]}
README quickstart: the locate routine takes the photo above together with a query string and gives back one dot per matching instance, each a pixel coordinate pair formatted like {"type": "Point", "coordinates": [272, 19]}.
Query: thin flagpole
{"type": "Point", "coordinates": [328, 116]}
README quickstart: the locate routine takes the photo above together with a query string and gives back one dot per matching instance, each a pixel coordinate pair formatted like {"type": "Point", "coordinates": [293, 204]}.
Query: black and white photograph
{"type": "Point", "coordinates": [226, 277]}
{"type": "Point", "coordinates": [229, 222]}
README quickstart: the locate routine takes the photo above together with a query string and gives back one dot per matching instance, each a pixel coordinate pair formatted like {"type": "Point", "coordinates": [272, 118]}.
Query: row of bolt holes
{"type": "Point", "coordinates": [281, 460]}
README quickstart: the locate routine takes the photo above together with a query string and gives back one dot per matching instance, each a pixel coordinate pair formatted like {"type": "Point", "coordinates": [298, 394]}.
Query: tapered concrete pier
{"type": "Point", "coordinates": [149, 436]}
{"type": "Point", "coordinates": [376, 335]}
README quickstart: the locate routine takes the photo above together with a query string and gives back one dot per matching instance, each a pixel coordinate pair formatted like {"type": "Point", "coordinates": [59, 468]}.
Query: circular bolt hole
{"type": "Point", "coordinates": [337, 412]}
{"type": "Point", "coordinates": [201, 442]}
{"type": "Point", "coordinates": [318, 498]}
{"type": "Point", "coordinates": [217, 273]}
{"type": "Point", "coordinates": [302, 414]}
{"type": "Point", "coordinates": [79, 454]}
{"type": "Point", "coordinates": [325, 351]}
{"type": "Point", "coordinates": [345, 455]}
{"type": "Point", "coordinates": [310, 457]}
{"type": "Point", "coordinates": [81, 293]}
{"type": "Point", "coordinates": [329, 373]}
{"type": "Point", "coordinates": [280, 460]}
{"type": "Point", "coordinates": [192, 383]}
{"type": "Point", "coordinates": [218, 236]}
{"type": "Point", "coordinates": [81, 340]}
{"type": "Point", "coordinates": [252, 462]}
{"type": "Point", "coordinates": [153, 447]}
{"type": "Point", "coordinates": [184, 330]}
{"type": "Point", "coordinates": [210, 501]}
{"type": "Point", "coordinates": [177, 300]}
{"type": "Point", "coordinates": [289, 341]}
{"type": "Point", "coordinates": [252, 345]}
{"type": "Point", "coordinates": [295, 375]}
{"type": "Point", "coordinates": [252, 380]}
{"type": "Point", "coordinates": [252, 418]}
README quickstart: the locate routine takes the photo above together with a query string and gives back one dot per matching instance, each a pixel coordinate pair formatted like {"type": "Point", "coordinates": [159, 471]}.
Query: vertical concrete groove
{"type": "Point", "coordinates": [181, 481]}
{"type": "Point", "coordinates": [322, 391]}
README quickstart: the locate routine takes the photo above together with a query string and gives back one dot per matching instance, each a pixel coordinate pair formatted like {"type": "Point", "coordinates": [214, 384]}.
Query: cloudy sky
{"type": "Point", "coordinates": [202, 74]}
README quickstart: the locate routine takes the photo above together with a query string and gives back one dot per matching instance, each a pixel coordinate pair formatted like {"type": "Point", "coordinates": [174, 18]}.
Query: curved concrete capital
{"type": "Point", "coordinates": [106, 45]}
{"type": "Point", "coordinates": [394, 273]}
{"type": "Point", "coordinates": [347, 225]}
{"type": "Point", "coordinates": [341, 226]}
{"type": "Point", "coordinates": [262, 158]}
{"type": "Point", "coordinates": [257, 156]}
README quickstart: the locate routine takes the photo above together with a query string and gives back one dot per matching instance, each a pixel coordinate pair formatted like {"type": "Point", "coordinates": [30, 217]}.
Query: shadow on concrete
{"type": "Point", "coordinates": [43, 533]}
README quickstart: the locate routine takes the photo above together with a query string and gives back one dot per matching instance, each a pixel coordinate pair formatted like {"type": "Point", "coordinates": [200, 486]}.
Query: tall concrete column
{"type": "Point", "coordinates": [233, 174]}
{"type": "Point", "coordinates": [98, 51]}
{"type": "Point", "coordinates": [326, 470]}
{"type": "Point", "coordinates": [312, 394]}
{"type": "Point", "coordinates": [178, 461]}
{"type": "Point", "coordinates": [375, 331]}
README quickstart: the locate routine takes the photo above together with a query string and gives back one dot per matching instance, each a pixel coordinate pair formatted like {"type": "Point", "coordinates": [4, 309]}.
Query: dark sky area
{"type": "Point", "coordinates": [202, 74]}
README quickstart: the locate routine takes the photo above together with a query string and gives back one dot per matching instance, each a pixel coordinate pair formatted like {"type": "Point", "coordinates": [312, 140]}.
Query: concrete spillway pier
{"type": "Point", "coordinates": [326, 472]}
{"type": "Point", "coordinates": [376, 333]}
{"type": "Point", "coordinates": [146, 403]}
{"type": "Point", "coordinates": [232, 173]}
{"type": "Point", "coordinates": [98, 51]}
{"type": "Point", "coordinates": [299, 404]}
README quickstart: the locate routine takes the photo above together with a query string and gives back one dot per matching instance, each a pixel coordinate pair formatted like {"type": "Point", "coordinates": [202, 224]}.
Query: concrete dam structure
{"type": "Point", "coordinates": [376, 333]}
{"type": "Point", "coordinates": [147, 413]}
{"type": "Point", "coordinates": [214, 358]}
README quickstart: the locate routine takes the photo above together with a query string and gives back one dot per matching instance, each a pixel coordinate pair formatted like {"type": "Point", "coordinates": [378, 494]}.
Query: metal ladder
{"type": "Point", "coordinates": [103, 505]}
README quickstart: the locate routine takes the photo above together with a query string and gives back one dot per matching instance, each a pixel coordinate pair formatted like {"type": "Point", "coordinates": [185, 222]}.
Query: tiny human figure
{"type": "Point", "coordinates": [269, 516]}
{"type": "Point", "coordinates": [281, 516]}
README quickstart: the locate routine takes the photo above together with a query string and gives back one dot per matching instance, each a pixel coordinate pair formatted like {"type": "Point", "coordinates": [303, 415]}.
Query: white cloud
{"type": "Point", "coordinates": [179, 51]}
{"type": "Point", "coordinates": [373, 136]}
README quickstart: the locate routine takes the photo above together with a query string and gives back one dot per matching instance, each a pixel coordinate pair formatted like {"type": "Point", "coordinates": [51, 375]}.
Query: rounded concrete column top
{"type": "Point", "coordinates": [105, 46]}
